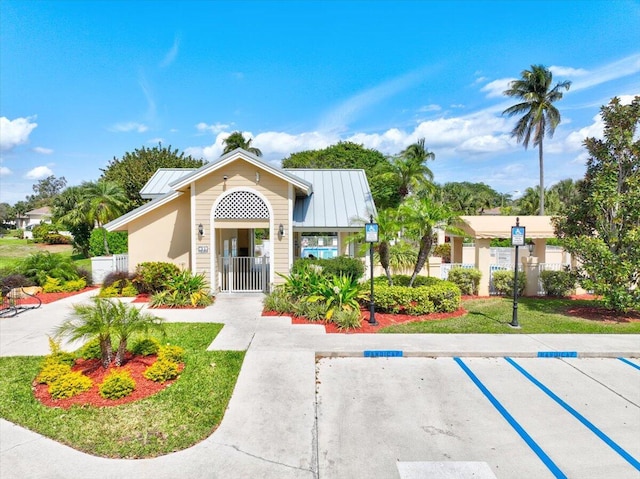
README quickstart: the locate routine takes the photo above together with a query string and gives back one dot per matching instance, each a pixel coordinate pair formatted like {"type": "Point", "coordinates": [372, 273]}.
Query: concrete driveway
{"type": "Point", "coordinates": [310, 405]}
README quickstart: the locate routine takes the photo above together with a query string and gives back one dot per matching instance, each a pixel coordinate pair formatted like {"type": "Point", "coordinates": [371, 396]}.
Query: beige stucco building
{"type": "Point", "coordinates": [240, 220]}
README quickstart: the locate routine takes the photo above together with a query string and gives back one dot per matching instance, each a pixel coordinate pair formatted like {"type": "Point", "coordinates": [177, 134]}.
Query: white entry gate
{"type": "Point", "coordinates": [244, 274]}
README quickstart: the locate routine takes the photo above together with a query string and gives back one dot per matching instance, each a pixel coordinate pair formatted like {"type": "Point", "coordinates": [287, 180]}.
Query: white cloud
{"type": "Point", "coordinates": [15, 132]}
{"type": "Point", "coordinates": [38, 173]}
{"type": "Point", "coordinates": [485, 144]}
{"type": "Point", "coordinates": [496, 88]}
{"type": "Point", "coordinates": [42, 150]}
{"type": "Point", "coordinates": [428, 108]}
{"type": "Point", "coordinates": [129, 126]}
{"type": "Point", "coordinates": [285, 143]}
{"type": "Point", "coordinates": [627, 66]}
{"type": "Point", "coordinates": [4, 171]}
{"type": "Point", "coordinates": [155, 141]}
{"type": "Point", "coordinates": [215, 128]}
{"type": "Point", "coordinates": [172, 54]}
{"type": "Point", "coordinates": [567, 71]}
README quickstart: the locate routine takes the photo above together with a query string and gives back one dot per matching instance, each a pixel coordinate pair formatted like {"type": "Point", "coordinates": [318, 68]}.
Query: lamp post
{"type": "Point", "coordinates": [517, 240]}
{"type": "Point", "coordinates": [371, 236]}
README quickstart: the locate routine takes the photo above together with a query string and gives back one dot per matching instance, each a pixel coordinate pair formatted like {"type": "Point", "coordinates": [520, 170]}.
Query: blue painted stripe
{"type": "Point", "coordinates": [630, 363]}
{"type": "Point", "coordinates": [555, 470]}
{"type": "Point", "coordinates": [557, 354]}
{"type": "Point", "coordinates": [610, 442]}
{"type": "Point", "coordinates": [381, 353]}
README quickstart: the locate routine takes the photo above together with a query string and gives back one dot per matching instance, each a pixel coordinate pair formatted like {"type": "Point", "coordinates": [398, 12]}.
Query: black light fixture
{"type": "Point", "coordinates": [281, 230]}
{"type": "Point", "coordinates": [201, 229]}
{"type": "Point", "coordinates": [531, 247]}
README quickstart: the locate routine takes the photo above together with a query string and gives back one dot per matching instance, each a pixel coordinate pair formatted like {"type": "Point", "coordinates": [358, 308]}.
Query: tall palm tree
{"type": "Point", "coordinates": [237, 140]}
{"type": "Point", "coordinates": [539, 116]}
{"type": "Point", "coordinates": [102, 202]}
{"type": "Point", "coordinates": [422, 216]}
{"type": "Point", "coordinates": [389, 227]}
{"type": "Point", "coordinates": [410, 168]}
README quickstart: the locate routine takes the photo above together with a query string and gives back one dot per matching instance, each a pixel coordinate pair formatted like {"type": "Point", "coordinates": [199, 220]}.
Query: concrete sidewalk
{"type": "Point", "coordinates": [270, 427]}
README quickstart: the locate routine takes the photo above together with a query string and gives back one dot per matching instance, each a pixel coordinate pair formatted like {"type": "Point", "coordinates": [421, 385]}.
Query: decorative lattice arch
{"type": "Point", "coordinates": [241, 205]}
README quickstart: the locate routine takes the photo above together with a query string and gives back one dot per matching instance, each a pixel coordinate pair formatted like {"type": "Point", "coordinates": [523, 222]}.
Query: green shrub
{"type": "Point", "coordinates": [443, 251]}
{"type": "Point", "coordinates": [57, 355]}
{"type": "Point", "coordinates": [347, 318]}
{"type": "Point", "coordinates": [69, 384]}
{"type": "Point", "coordinates": [467, 279]}
{"type": "Point", "coordinates": [162, 370]}
{"type": "Point", "coordinates": [41, 231]}
{"type": "Point", "coordinates": [116, 240]}
{"type": "Point", "coordinates": [404, 279]}
{"type": "Point", "coordinates": [145, 347]}
{"type": "Point", "coordinates": [503, 282]}
{"type": "Point", "coordinates": [278, 300]}
{"type": "Point", "coordinates": [91, 350]}
{"type": "Point", "coordinates": [445, 296]}
{"type": "Point", "coordinates": [313, 311]}
{"type": "Point", "coordinates": [51, 372]}
{"type": "Point", "coordinates": [14, 280]}
{"type": "Point", "coordinates": [340, 265]}
{"type": "Point", "coordinates": [171, 353]}
{"type": "Point", "coordinates": [339, 293]}
{"type": "Point", "coordinates": [52, 285]}
{"type": "Point", "coordinates": [56, 238]}
{"type": "Point", "coordinates": [74, 285]}
{"type": "Point", "coordinates": [39, 266]}
{"type": "Point", "coordinates": [152, 276]}
{"type": "Point", "coordinates": [117, 384]}
{"type": "Point", "coordinates": [558, 283]}
{"type": "Point", "coordinates": [442, 297]}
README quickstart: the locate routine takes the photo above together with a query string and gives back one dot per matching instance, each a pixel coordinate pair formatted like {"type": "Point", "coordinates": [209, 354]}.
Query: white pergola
{"type": "Point", "coordinates": [485, 228]}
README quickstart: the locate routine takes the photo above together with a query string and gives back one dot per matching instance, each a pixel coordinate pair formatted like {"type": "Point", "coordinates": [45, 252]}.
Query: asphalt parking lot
{"type": "Point", "coordinates": [454, 417]}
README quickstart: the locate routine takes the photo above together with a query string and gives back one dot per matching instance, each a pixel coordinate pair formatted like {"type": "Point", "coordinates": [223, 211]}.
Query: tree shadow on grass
{"type": "Point", "coordinates": [490, 318]}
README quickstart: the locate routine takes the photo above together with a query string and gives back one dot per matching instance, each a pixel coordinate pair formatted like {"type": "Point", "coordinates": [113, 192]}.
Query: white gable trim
{"type": "Point", "coordinates": [248, 157]}
{"type": "Point", "coordinates": [124, 220]}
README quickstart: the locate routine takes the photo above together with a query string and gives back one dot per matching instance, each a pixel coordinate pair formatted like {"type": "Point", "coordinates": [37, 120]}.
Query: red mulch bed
{"type": "Point", "coordinates": [381, 318]}
{"type": "Point", "coordinates": [92, 368]}
{"type": "Point", "coordinates": [595, 313]}
{"type": "Point", "coordinates": [47, 298]}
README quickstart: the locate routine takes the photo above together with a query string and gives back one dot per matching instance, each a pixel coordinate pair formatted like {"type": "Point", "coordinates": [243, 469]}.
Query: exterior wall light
{"type": "Point", "coordinates": [531, 247]}
{"type": "Point", "coordinates": [281, 230]}
{"type": "Point", "coordinates": [201, 229]}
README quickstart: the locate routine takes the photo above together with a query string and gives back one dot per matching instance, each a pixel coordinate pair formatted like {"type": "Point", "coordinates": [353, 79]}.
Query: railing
{"type": "Point", "coordinates": [244, 274]}
{"type": "Point", "coordinates": [446, 267]}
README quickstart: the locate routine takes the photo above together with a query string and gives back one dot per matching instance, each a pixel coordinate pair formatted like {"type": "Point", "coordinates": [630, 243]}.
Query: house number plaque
{"type": "Point", "coordinates": [203, 249]}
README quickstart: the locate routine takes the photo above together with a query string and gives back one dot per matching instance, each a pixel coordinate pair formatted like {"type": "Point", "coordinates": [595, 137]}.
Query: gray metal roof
{"type": "Point", "coordinates": [158, 184]}
{"type": "Point", "coordinates": [340, 199]}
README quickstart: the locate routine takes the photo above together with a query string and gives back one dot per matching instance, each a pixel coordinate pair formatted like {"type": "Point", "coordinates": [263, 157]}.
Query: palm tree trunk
{"type": "Point", "coordinates": [122, 349]}
{"type": "Point", "coordinates": [104, 238]}
{"type": "Point", "coordinates": [425, 247]}
{"type": "Point", "coordinates": [106, 351]}
{"type": "Point", "coordinates": [541, 161]}
{"type": "Point", "coordinates": [383, 252]}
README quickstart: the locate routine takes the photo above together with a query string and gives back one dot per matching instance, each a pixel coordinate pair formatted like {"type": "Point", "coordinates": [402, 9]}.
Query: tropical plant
{"type": "Point", "coordinates": [43, 264]}
{"type": "Point", "coordinates": [184, 289]}
{"type": "Point", "coordinates": [129, 321]}
{"type": "Point", "coordinates": [539, 116]}
{"type": "Point", "coordinates": [423, 216]}
{"type": "Point", "coordinates": [340, 293]}
{"type": "Point", "coordinates": [102, 202]}
{"type": "Point", "coordinates": [410, 169]}
{"type": "Point", "coordinates": [237, 140]}
{"type": "Point", "coordinates": [151, 276]}
{"type": "Point", "coordinates": [602, 227]}
{"type": "Point", "coordinates": [89, 321]}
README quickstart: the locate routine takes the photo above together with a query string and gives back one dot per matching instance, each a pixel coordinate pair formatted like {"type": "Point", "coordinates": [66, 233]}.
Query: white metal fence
{"type": "Point", "coordinates": [244, 274]}
{"type": "Point", "coordinates": [446, 267]}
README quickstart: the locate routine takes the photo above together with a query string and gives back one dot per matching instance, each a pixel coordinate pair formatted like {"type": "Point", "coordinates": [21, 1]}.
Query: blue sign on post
{"type": "Point", "coordinates": [371, 232]}
{"type": "Point", "coordinates": [517, 235]}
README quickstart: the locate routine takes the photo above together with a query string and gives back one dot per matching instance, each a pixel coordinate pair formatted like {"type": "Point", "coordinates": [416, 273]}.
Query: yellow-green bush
{"type": "Point", "coordinates": [69, 384]}
{"type": "Point", "coordinates": [51, 372]}
{"type": "Point", "coordinates": [117, 384]}
{"type": "Point", "coordinates": [56, 285]}
{"type": "Point", "coordinates": [171, 353]}
{"type": "Point", "coordinates": [145, 347]}
{"type": "Point", "coordinates": [162, 370]}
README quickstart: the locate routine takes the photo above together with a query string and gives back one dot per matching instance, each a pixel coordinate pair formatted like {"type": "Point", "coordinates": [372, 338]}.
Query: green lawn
{"type": "Point", "coordinates": [12, 250]}
{"type": "Point", "coordinates": [535, 315]}
{"type": "Point", "coordinates": [178, 417]}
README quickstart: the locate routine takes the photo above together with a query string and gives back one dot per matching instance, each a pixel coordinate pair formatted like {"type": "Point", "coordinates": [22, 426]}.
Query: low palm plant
{"type": "Point", "coordinates": [339, 294]}
{"type": "Point", "coordinates": [129, 321]}
{"type": "Point", "coordinates": [184, 289]}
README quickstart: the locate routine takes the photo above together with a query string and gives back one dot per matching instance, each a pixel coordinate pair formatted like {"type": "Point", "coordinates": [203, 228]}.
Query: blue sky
{"type": "Point", "coordinates": [83, 82]}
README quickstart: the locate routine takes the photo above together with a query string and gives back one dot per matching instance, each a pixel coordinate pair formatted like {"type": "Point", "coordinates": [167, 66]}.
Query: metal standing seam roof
{"type": "Point", "coordinates": [340, 199]}
{"type": "Point", "coordinates": [158, 184]}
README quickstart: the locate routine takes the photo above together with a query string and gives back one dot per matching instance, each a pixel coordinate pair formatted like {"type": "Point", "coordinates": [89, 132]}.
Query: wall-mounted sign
{"type": "Point", "coordinates": [203, 249]}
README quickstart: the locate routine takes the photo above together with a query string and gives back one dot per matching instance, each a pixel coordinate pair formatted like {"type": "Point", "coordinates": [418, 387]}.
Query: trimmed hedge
{"type": "Point", "coordinates": [467, 280]}
{"type": "Point", "coordinates": [503, 282]}
{"type": "Point", "coordinates": [443, 297]}
{"type": "Point", "coordinates": [558, 283]}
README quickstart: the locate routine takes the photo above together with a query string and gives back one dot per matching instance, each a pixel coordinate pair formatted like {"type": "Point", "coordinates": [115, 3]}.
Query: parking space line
{"type": "Point", "coordinates": [630, 363]}
{"type": "Point", "coordinates": [555, 470]}
{"type": "Point", "coordinates": [610, 442]}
